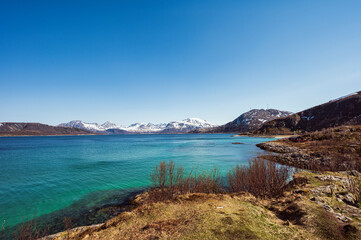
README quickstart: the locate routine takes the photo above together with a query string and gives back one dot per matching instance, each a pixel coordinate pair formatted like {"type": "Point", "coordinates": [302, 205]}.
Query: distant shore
{"type": "Point", "coordinates": [264, 136]}
{"type": "Point", "coordinates": [49, 135]}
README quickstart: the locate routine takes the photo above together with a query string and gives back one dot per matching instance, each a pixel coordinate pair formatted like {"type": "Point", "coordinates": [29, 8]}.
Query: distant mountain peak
{"type": "Point", "coordinates": [256, 117]}
{"type": "Point", "coordinates": [108, 125]}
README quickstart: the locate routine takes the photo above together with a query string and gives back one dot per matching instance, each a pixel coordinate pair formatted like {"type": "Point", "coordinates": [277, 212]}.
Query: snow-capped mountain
{"type": "Point", "coordinates": [109, 125]}
{"type": "Point", "coordinates": [254, 119]}
{"type": "Point", "coordinates": [185, 125]}
{"type": "Point", "coordinates": [94, 127]}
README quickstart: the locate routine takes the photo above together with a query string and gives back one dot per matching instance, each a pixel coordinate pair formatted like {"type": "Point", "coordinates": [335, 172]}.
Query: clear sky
{"type": "Point", "coordinates": [157, 61]}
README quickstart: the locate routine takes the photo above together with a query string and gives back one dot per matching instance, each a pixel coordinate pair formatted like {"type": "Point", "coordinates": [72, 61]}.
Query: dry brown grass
{"type": "Point", "coordinates": [198, 216]}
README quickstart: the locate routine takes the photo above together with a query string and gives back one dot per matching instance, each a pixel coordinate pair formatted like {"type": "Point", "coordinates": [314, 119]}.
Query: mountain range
{"type": "Point", "coordinates": [183, 126]}
{"type": "Point", "coordinates": [345, 110]}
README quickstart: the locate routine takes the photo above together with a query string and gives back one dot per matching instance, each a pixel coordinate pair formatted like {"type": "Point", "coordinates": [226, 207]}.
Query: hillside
{"type": "Point", "coordinates": [246, 122]}
{"type": "Point", "coordinates": [37, 129]}
{"type": "Point", "coordinates": [341, 111]}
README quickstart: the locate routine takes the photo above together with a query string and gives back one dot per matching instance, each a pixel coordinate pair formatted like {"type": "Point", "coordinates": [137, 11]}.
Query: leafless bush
{"type": "Point", "coordinates": [170, 180]}
{"type": "Point", "coordinates": [205, 181]}
{"type": "Point", "coordinates": [160, 174]}
{"type": "Point", "coordinates": [261, 178]}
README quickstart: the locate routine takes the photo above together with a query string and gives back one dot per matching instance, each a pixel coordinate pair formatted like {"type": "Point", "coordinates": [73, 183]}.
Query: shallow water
{"type": "Point", "coordinates": [48, 175]}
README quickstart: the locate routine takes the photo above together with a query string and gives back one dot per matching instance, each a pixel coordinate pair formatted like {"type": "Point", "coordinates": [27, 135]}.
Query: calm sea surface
{"type": "Point", "coordinates": [60, 174]}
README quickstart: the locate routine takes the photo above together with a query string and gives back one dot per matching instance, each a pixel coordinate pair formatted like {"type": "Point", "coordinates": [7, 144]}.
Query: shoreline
{"type": "Point", "coordinates": [96, 215]}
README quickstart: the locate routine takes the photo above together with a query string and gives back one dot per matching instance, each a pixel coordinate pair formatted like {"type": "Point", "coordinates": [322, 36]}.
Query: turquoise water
{"type": "Point", "coordinates": [51, 174]}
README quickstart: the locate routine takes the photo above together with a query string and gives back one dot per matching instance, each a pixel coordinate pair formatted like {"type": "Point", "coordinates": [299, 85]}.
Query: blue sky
{"type": "Point", "coordinates": [157, 61]}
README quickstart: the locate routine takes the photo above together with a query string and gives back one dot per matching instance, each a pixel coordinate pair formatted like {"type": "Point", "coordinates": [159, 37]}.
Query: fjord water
{"type": "Point", "coordinates": [46, 175]}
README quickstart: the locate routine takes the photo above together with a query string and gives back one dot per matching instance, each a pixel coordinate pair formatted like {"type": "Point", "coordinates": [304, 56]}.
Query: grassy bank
{"type": "Point", "coordinates": [308, 209]}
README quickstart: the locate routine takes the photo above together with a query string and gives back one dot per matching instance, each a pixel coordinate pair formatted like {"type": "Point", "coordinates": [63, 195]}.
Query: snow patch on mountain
{"type": "Point", "coordinates": [145, 127]}
{"type": "Point", "coordinates": [109, 125]}
{"type": "Point", "coordinates": [348, 95]}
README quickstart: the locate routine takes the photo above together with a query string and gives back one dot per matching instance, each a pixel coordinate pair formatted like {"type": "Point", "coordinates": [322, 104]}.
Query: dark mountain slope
{"type": "Point", "coordinates": [246, 122]}
{"type": "Point", "coordinates": [37, 129]}
{"type": "Point", "coordinates": [342, 111]}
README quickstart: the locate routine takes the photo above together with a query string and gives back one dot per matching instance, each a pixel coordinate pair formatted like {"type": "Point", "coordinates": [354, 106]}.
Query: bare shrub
{"type": "Point", "coordinates": [68, 225]}
{"type": "Point", "coordinates": [354, 187]}
{"type": "Point", "coordinates": [205, 181]}
{"type": "Point", "coordinates": [2, 227]}
{"type": "Point", "coordinates": [159, 175]}
{"type": "Point", "coordinates": [170, 180]}
{"type": "Point", "coordinates": [28, 230]}
{"type": "Point", "coordinates": [261, 178]}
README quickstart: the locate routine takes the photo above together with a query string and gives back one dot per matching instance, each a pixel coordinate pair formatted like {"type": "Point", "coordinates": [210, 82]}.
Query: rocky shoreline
{"type": "Point", "coordinates": [299, 157]}
{"type": "Point", "coordinates": [289, 155]}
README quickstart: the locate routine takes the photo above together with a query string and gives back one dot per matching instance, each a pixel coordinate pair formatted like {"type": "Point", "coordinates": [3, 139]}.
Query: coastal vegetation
{"type": "Point", "coordinates": [261, 178]}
